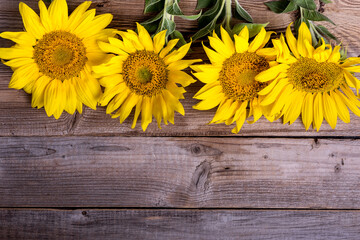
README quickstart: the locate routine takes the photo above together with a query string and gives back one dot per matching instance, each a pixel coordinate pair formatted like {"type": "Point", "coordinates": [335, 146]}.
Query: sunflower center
{"type": "Point", "coordinates": [145, 73]}
{"type": "Point", "coordinates": [60, 55]}
{"type": "Point", "coordinates": [311, 76]}
{"type": "Point", "coordinates": [237, 76]}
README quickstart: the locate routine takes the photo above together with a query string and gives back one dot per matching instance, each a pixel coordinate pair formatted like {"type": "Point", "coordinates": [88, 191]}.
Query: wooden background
{"type": "Point", "coordinates": [88, 177]}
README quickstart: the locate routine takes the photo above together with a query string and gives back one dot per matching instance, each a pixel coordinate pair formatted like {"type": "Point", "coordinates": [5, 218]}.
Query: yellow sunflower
{"type": "Point", "coordinates": [143, 74]}
{"type": "Point", "coordinates": [230, 78]}
{"type": "Point", "coordinates": [53, 57]}
{"type": "Point", "coordinates": [313, 82]}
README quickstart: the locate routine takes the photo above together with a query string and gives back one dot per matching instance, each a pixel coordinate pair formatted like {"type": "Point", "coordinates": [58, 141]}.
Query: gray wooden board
{"type": "Point", "coordinates": [178, 224]}
{"type": "Point", "coordinates": [17, 118]}
{"type": "Point", "coordinates": [179, 172]}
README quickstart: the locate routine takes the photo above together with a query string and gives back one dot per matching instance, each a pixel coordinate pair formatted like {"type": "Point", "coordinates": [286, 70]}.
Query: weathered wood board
{"type": "Point", "coordinates": [186, 181]}
{"type": "Point", "coordinates": [17, 118]}
{"type": "Point", "coordinates": [178, 224]}
{"type": "Point", "coordinates": [180, 172]}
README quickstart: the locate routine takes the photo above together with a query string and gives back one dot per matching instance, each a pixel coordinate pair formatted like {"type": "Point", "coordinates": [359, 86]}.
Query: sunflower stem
{"type": "Point", "coordinates": [228, 15]}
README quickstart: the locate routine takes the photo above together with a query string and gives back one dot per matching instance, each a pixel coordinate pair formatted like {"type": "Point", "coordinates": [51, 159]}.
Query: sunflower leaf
{"type": "Point", "coordinates": [277, 6]}
{"type": "Point", "coordinates": [153, 5]}
{"type": "Point", "coordinates": [325, 32]}
{"type": "Point", "coordinates": [316, 16]}
{"type": "Point", "coordinates": [164, 19]}
{"type": "Point", "coordinates": [241, 13]}
{"type": "Point", "coordinates": [253, 28]}
{"type": "Point", "coordinates": [307, 4]}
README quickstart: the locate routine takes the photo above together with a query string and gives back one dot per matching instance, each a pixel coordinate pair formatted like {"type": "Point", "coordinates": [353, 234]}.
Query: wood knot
{"type": "Point", "coordinates": [200, 179]}
{"type": "Point", "coordinates": [337, 168]}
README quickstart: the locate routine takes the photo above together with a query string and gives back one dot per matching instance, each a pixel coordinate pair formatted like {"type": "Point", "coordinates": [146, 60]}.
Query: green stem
{"type": "Point", "coordinates": [228, 15]}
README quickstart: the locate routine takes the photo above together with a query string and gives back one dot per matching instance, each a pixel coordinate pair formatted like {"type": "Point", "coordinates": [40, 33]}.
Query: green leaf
{"type": "Point", "coordinates": [325, 32]}
{"type": "Point", "coordinates": [191, 17]}
{"type": "Point", "coordinates": [210, 14]}
{"type": "Point", "coordinates": [308, 4]}
{"type": "Point", "coordinates": [325, 1]}
{"type": "Point", "coordinates": [277, 6]}
{"type": "Point", "coordinates": [174, 9]}
{"type": "Point", "coordinates": [204, 4]}
{"type": "Point", "coordinates": [167, 24]}
{"type": "Point", "coordinates": [253, 28]}
{"type": "Point", "coordinates": [315, 16]}
{"type": "Point", "coordinates": [291, 7]}
{"type": "Point", "coordinates": [178, 35]}
{"type": "Point", "coordinates": [205, 30]}
{"type": "Point", "coordinates": [153, 6]}
{"type": "Point", "coordinates": [154, 19]}
{"type": "Point", "coordinates": [241, 13]}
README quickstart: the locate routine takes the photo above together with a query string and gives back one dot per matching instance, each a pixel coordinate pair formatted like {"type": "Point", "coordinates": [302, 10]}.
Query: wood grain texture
{"type": "Point", "coordinates": [17, 118]}
{"type": "Point", "coordinates": [178, 224]}
{"type": "Point", "coordinates": [179, 172]}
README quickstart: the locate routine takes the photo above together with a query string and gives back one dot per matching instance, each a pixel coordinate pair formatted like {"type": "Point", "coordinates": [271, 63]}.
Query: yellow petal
{"type": "Point", "coordinates": [116, 102]}
{"type": "Point", "coordinates": [127, 106]}
{"type": "Point", "coordinates": [318, 111]}
{"type": "Point", "coordinates": [177, 54]}
{"type": "Point", "coordinates": [291, 40]}
{"type": "Point", "coordinates": [335, 55]}
{"type": "Point", "coordinates": [304, 36]}
{"type": "Point", "coordinates": [23, 38]}
{"type": "Point", "coordinates": [227, 40]}
{"type": "Point", "coordinates": [23, 76]}
{"type": "Point", "coordinates": [112, 80]}
{"type": "Point", "coordinates": [220, 47]}
{"type": "Point", "coordinates": [58, 12]}
{"type": "Point", "coordinates": [244, 33]}
{"type": "Point", "coordinates": [146, 112]}
{"type": "Point", "coordinates": [109, 48]}
{"type": "Point", "coordinates": [258, 41]}
{"type": "Point", "coordinates": [159, 41]}
{"type": "Point", "coordinates": [214, 57]}
{"type": "Point", "coordinates": [241, 45]}
{"type": "Point", "coordinates": [181, 77]}
{"type": "Point", "coordinates": [45, 17]}
{"type": "Point", "coordinates": [271, 73]}
{"type": "Point", "coordinates": [137, 112]}
{"type": "Point", "coordinates": [209, 102]}
{"type": "Point", "coordinates": [95, 26]}
{"type": "Point", "coordinates": [77, 16]}
{"type": "Point", "coordinates": [201, 95]}
{"type": "Point", "coordinates": [31, 21]}
{"type": "Point", "coordinates": [208, 76]}
{"type": "Point", "coordinates": [351, 105]}
{"type": "Point", "coordinates": [145, 38]}
{"type": "Point", "coordinates": [182, 64]}
{"type": "Point", "coordinates": [341, 108]}
{"type": "Point", "coordinates": [71, 97]}
{"type": "Point", "coordinates": [171, 44]}
{"type": "Point", "coordinates": [330, 111]}
{"type": "Point", "coordinates": [54, 98]}
{"type": "Point", "coordinates": [11, 53]}
{"type": "Point", "coordinates": [38, 91]}
{"type": "Point", "coordinates": [273, 95]}
{"type": "Point", "coordinates": [18, 62]}
{"type": "Point", "coordinates": [307, 110]}
{"type": "Point", "coordinates": [88, 89]}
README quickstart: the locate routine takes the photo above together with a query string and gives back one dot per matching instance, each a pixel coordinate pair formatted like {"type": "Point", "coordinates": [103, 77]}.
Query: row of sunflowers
{"type": "Point", "coordinates": [66, 61]}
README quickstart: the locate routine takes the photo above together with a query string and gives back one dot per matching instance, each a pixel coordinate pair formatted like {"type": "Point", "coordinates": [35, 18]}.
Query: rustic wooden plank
{"type": "Point", "coordinates": [179, 172]}
{"type": "Point", "coordinates": [178, 224]}
{"type": "Point", "coordinates": [18, 119]}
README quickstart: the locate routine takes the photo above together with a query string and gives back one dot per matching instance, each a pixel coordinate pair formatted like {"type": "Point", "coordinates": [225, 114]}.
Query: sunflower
{"type": "Point", "coordinates": [313, 82]}
{"type": "Point", "coordinates": [53, 57]}
{"type": "Point", "coordinates": [143, 74]}
{"type": "Point", "coordinates": [230, 78]}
